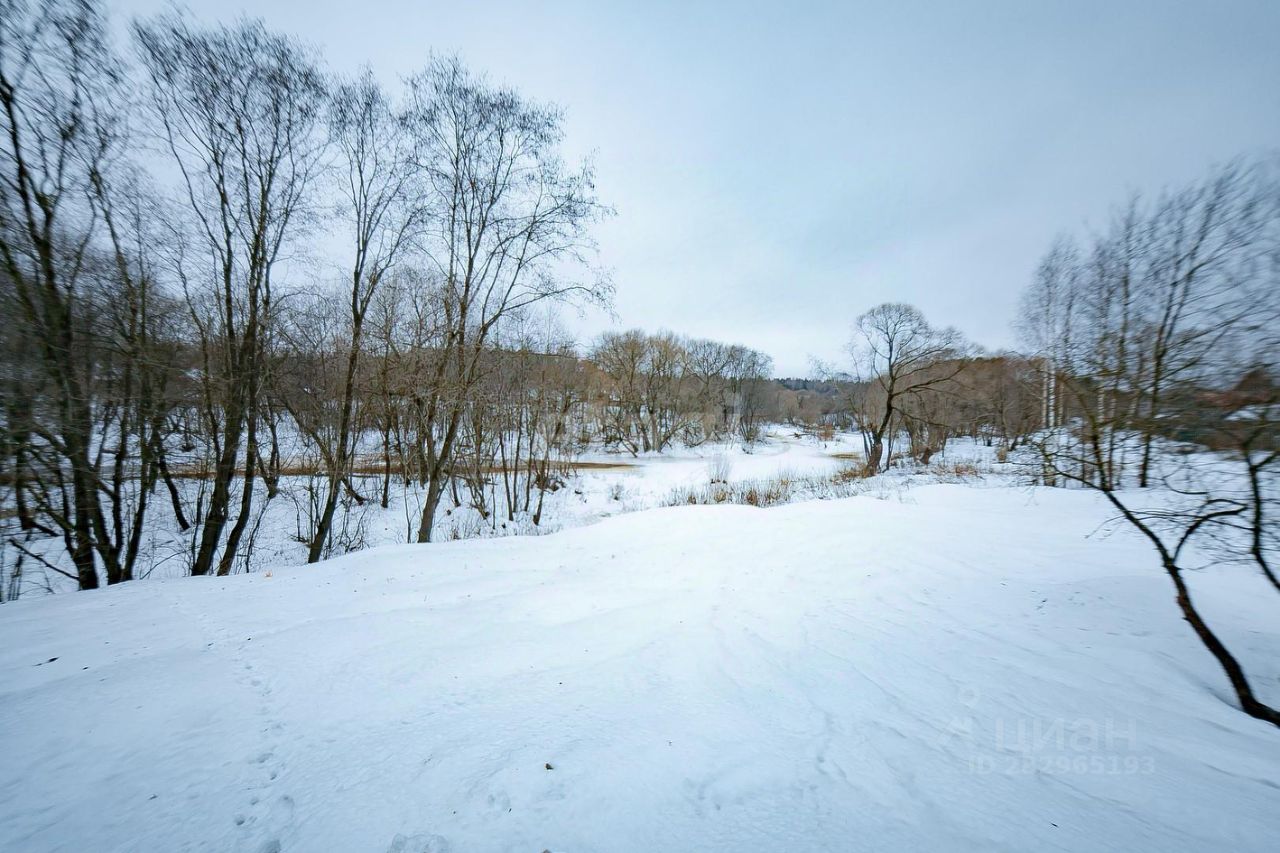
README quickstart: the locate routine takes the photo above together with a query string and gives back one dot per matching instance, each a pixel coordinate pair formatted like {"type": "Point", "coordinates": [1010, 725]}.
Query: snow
{"type": "Point", "coordinates": [984, 669]}
{"type": "Point", "coordinates": [604, 485]}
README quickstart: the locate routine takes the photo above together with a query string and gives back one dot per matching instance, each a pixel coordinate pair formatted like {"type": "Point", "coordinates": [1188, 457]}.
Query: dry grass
{"type": "Point", "coordinates": [848, 481]}
{"type": "Point", "coordinates": [773, 491]}
{"type": "Point", "coordinates": [763, 493]}
{"type": "Point", "coordinates": [954, 471]}
{"type": "Point", "coordinates": [850, 473]}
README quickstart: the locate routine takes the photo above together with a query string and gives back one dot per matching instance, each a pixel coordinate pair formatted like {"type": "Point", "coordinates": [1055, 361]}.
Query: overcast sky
{"type": "Point", "coordinates": [779, 168]}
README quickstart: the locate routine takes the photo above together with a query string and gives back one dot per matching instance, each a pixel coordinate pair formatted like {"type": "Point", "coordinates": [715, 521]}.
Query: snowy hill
{"type": "Point", "coordinates": [972, 669]}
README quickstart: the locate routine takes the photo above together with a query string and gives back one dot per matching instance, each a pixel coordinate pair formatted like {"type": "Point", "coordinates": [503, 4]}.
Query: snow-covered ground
{"type": "Point", "coordinates": [956, 669]}
{"type": "Point", "coordinates": [606, 484]}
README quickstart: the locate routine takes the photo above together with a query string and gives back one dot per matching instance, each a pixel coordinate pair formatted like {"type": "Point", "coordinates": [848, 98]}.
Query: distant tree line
{"type": "Point", "coordinates": [660, 388]}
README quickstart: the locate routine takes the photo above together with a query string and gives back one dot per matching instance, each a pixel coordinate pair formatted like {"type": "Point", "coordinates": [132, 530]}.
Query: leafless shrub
{"type": "Point", "coordinates": [719, 469]}
{"type": "Point", "coordinates": [772, 491]}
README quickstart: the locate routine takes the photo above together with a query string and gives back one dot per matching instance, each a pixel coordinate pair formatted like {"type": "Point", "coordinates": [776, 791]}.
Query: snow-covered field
{"type": "Point", "coordinates": [603, 485]}
{"type": "Point", "coordinates": [956, 668]}
{"type": "Point", "coordinates": [607, 484]}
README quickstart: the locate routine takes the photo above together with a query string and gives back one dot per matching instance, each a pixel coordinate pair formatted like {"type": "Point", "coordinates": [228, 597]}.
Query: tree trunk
{"type": "Point", "coordinates": [174, 497]}
{"type": "Point", "coordinates": [1257, 522]}
{"type": "Point", "coordinates": [246, 504]}
{"type": "Point", "coordinates": [316, 550]}
{"type": "Point", "coordinates": [1235, 673]}
{"type": "Point", "coordinates": [215, 520]}
{"type": "Point", "coordinates": [435, 488]}
{"type": "Point", "coordinates": [386, 467]}
{"type": "Point", "coordinates": [874, 456]}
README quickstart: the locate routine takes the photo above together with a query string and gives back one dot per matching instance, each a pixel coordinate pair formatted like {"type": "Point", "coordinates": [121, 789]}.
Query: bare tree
{"type": "Point", "coordinates": [651, 394]}
{"type": "Point", "coordinates": [897, 353]}
{"type": "Point", "coordinates": [239, 110]}
{"type": "Point", "coordinates": [508, 229]}
{"type": "Point", "coordinates": [382, 213]}
{"type": "Point", "coordinates": [57, 84]}
{"type": "Point", "coordinates": [1152, 341]}
{"type": "Point", "coordinates": [1208, 240]}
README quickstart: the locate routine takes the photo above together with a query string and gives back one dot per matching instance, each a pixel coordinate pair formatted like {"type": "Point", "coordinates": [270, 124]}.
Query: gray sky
{"type": "Point", "coordinates": [779, 168]}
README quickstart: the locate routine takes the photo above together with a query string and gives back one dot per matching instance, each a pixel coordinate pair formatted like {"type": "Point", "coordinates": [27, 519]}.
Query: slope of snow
{"type": "Point", "coordinates": [972, 669]}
